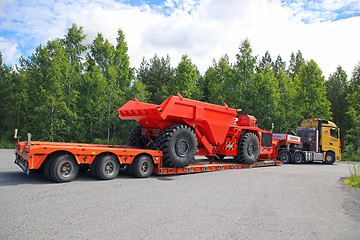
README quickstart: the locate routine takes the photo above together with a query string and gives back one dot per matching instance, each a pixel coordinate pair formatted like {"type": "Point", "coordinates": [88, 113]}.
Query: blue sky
{"type": "Point", "coordinates": [324, 30]}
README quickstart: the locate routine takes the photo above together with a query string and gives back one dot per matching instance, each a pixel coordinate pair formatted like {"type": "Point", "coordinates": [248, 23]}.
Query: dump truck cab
{"type": "Point", "coordinates": [320, 136]}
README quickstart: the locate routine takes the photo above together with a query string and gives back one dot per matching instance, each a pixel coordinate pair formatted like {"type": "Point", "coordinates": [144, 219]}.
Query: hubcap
{"type": "Point", "coordinates": [182, 147]}
{"type": "Point", "coordinates": [109, 167]}
{"type": "Point", "coordinates": [251, 149]}
{"type": "Point", "coordinates": [144, 167]}
{"type": "Point", "coordinates": [65, 169]}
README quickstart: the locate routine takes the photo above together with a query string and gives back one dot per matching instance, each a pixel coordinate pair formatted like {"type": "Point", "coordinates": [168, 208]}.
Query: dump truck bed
{"type": "Point", "coordinates": [212, 121]}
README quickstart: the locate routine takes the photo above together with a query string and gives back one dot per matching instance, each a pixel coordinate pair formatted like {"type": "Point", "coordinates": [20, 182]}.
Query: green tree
{"type": "Point", "coordinates": [218, 79]}
{"type": "Point", "coordinates": [353, 134]}
{"type": "Point", "coordinates": [311, 93]}
{"type": "Point", "coordinates": [337, 89]}
{"type": "Point", "coordinates": [155, 74]}
{"type": "Point", "coordinates": [5, 98]}
{"type": "Point", "coordinates": [279, 65]}
{"type": "Point", "coordinates": [296, 61]}
{"type": "Point", "coordinates": [46, 72]}
{"type": "Point", "coordinates": [186, 80]}
{"type": "Point", "coordinates": [262, 96]}
{"type": "Point", "coordinates": [289, 109]}
{"type": "Point", "coordinates": [266, 60]}
{"type": "Point", "coordinates": [244, 72]}
{"type": "Point", "coordinates": [114, 65]}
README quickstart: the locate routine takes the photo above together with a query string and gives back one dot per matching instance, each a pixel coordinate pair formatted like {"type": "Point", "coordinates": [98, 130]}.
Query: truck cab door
{"type": "Point", "coordinates": [330, 140]}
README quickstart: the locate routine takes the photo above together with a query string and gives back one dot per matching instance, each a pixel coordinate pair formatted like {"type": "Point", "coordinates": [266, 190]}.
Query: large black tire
{"type": "Point", "coordinates": [178, 144]}
{"type": "Point", "coordinates": [129, 170]}
{"type": "Point", "coordinates": [136, 139]}
{"type": "Point", "coordinates": [142, 166]}
{"type": "Point", "coordinates": [298, 157]}
{"type": "Point", "coordinates": [93, 168]}
{"type": "Point", "coordinates": [329, 158]}
{"type": "Point", "coordinates": [285, 156]}
{"type": "Point", "coordinates": [63, 168]}
{"type": "Point", "coordinates": [249, 149]}
{"type": "Point", "coordinates": [46, 167]}
{"type": "Point", "coordinates": [107, 167]}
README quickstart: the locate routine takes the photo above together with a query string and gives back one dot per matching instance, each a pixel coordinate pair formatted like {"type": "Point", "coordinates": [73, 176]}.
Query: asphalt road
{"type": "Point", "coordinates": [308, 201]}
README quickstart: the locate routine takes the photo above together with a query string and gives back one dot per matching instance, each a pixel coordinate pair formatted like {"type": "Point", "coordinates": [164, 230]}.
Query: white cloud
{"type": "Point", "coordinates": [203, 29]}
{"type": "Point", "coordinates": [9, 50]}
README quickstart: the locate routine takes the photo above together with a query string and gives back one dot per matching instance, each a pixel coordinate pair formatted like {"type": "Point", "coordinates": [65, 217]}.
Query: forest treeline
{"type": "Point", "coordinates": [69, 91]}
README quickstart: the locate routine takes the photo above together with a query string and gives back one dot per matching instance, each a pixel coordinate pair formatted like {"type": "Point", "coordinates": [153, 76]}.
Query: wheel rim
{"type": "Point", "coordinates": [109, 167]}
{"type": "Point", "coordinates": [284, 158]}
{"type": "Point", "coordinates": [144, 167]}
{"type": "Point", "coordinates": [182, 147]}
{"type": "Point", "coordinates": [65, 169]}
{"type": "Point", "coordinates": [298, 158]}
{"type": "Point", "coordinates": [329, 158]}
{"type": "Point", "coordinates": [251, 149]}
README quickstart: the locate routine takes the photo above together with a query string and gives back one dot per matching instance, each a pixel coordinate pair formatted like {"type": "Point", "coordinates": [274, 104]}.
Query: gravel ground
{"type": "Point", "coordinates": [308, 201]}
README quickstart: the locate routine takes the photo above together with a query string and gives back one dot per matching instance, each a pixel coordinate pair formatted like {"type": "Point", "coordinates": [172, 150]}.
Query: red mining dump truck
{"type": "Point", "coordinates": [166, 142]}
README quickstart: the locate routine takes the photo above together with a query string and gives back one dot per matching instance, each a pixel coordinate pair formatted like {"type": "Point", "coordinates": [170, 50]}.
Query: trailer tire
{"type": "Point", "coordinates": [142, 166]}
{"type": "Point", "coordinates": [107, 167]}
{"type": "Point", "coordinates": [285, 156]}
{"type": "Point", "coordinates": [129, 170]}
{"type": "Point", "coordinates": [178, 144]}
{"type": "Point", "coordinates": [63, 168]}
{"type": "Point", "coordinates": [298, 157]}
{"type": "Point", "coordinates": [329, 158]}
{"type": "Point", "coordinates": [46, 167]}
{"type": "Point", "coordinates": [136, 139]}
{"type": "Point", "coordinates": [93, 168]}
{"type": "Point", "coordinates": [249, 149]}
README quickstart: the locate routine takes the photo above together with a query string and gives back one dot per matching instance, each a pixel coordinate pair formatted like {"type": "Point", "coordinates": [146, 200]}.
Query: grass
{"type": "Point", "coordinates": [354, 179]}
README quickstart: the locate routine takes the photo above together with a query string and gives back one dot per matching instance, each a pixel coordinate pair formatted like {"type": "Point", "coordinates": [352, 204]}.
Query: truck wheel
{"type": "Point", "coordinates": [298, 158]}
{"type": "Point", "coordinates": [107, 167]}
{"type": "Point", "coordinates": [178, 144]}
{"type": "Point", "coordinates": [136, 139]}
{"type": "Point", "coordinates": [63, 168]}
{"type": "Point", "coordinates": [329, 158]}
{"type": "Point", "coordinates": [142, 166]}
{"type": "Point", "coordinates": [249, 149]}
{"type": "Point", "coordinates": [285, 156]}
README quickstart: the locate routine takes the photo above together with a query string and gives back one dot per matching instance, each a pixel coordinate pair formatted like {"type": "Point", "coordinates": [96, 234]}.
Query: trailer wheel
{"type": "Point", "coordinates": [329, 158]}
{"type": "Point", "coordinates": [179, 145]}
{"type": "Point", "coordinates": [298, 157]}
{"type": "Point", "coordinates": [285, 156]}
{"type": "Point", "coordinates": [107, 167]}
{"type": "Point", "coordinates": [63, 168]}
{"type": "Point", "coordinates": [249, 149]}
{"type": "Point", "coordinates": [142, 166]}
{"type": "Point", "coordinates": [136, 139]}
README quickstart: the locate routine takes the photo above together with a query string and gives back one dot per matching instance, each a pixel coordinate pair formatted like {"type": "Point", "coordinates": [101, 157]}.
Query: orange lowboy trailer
{"type": "Point", "coordinates": [166, 142]}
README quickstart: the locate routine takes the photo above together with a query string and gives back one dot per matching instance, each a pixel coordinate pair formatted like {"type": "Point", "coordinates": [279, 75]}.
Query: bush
{"type": "Point", "coordinates": [354, 179]}
{"type": "Point", "coordinates": [351, 154]}
{"type": "Point", "coordinates": [7, 143]}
